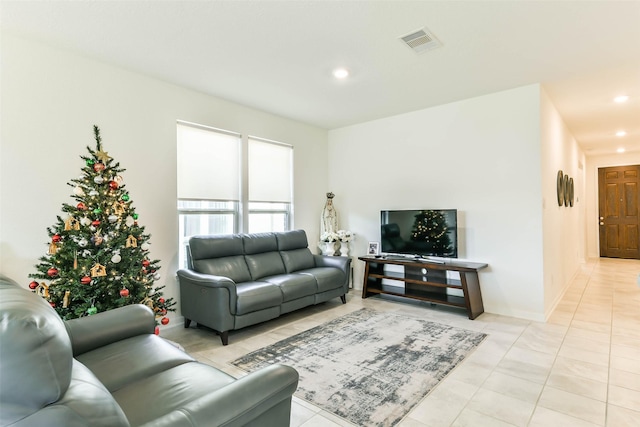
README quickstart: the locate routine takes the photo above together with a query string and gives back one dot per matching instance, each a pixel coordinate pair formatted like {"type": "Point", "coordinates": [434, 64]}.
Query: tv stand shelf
{"type": "Point", "coordinates": [426, 281]}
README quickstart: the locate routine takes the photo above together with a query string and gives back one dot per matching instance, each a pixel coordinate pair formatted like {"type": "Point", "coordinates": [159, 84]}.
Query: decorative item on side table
{"type": "Point", "coordinates": [328, 243]}
{"type": "Point", "coordinates": [373, 248]}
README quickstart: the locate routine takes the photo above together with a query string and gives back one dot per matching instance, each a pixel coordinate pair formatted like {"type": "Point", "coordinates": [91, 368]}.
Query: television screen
{"type": "Point", "coordinates": [425, 232]}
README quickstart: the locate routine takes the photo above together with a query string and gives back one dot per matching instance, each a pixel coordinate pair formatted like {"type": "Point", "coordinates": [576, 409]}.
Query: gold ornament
{"type": "Point", "coordinates": [65, 300]}
{"type": "Point", "coordinates": [75, 260]}
{"type": "Point", "coordinates": [43, 290]}
{"type": "Point", "coordinates": [53, 248]}
{"type": "Point", "coordinates": [117, 208]}
{"type": "Point", "coordinates": [131, 242]}
{"type": "Point", "coordinates": [98, 270]}
{"type": "Point", "coordinates": [103, 156]}
{"type": "Point", "coordinates": [71, 224]}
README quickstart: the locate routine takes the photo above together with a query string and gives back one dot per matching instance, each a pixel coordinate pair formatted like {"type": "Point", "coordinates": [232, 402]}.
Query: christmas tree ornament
{"type": "Point", "coordinates": [128, 221]}
{"type": "Point", "coordinates": [92, 310]}
{"type": "Point", "coordinates": [145, 246]}
{"type": "Point", "coordinates": [98, 179]}
{"type": "Point", "coordinates": [33, 285]}
{"type": "Point", "coordinates": [95, 222]}
{"type": "Point", "coordinates": [135, 216]}
{"type": "Point", "coordinates": [94, 193]}
{"type": "Point", "coordinates": [131, 242]}
{"type": "Point", "coordinates": [165, 321]}
{"type": "Point", "coordinates": [125, 197]}
{"type": "Point", "coordinates": [145, 262]}
{"type": "Point", "coordinates": [75, 260]}
{"type": "Point", "coordinates": [119, 179]}
{"type": "Point", "coordinates": [113, 185]}
{"type": "Point", "coordinates": [103, 156]}
{"type": "Point", "coordinates": [78, 191]}
{"type": "Point", "coordinates": [83, 243]}
{"type": "Point", "coordinates": [163, 311]}
{"type": "Point", "coordinates": [124, 292]}
{"type": "Point", "coordinates": [53, 248]}
{"type": "Point", "coordinates": [98, 270]}
{"type": "Point", "coordinates": [97, 239]}
{"type": "Point", "coordinates": [117, 208]}
{"type": "Point", "coordinates": [43, 290]}
{"type": "Point", "coordinates": [81, 206]}
{"type": "Point", "coordinates": [56, 238]}
{"type": "Point", "coordinates": [89, 162]}
{"type": "Point", "coordinates": [156, 276]}
{"type": "Point", "coordinates": [112, 218]}
{"type": "Point", "coordinates": [116, 258]}
{"type": "Point", "coordinates": [161, 300]}
{"type": "Point", "coordinates": [85, 221]}
{"type": "Point", "coordinates": [98, 167]}
{"type": "Point", "coordinates": [157, 331]}
{"type": "Point", "coordinates": [71, 224]}
{"type": "Point", "coordinates": [52, 304]}
{"type": "Point", "coordinates": [65, 299]}
{"type": "Point", "coordinates": [85, 280]}
{"type": "Point", "coordinates": [52, 272]}
{"type": "Point", "coordinates": [97, 211]}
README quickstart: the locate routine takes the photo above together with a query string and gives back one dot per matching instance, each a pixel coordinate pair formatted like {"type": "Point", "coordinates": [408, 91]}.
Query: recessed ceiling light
{"type": "Point", "coordinates": [621, 98]}
{"type": "Point", "coordinates": [620, 150]}
{"type": "Point", "coordinates": [340, 73]}
{"type": "Point", "coordinates": [621, 133]}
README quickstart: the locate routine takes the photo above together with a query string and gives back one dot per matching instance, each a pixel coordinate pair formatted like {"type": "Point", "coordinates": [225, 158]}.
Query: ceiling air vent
{"type": "Point", "coordinates": [421, 41]}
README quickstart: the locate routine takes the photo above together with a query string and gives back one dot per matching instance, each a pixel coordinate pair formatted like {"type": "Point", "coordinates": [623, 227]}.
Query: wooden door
{"type": "Point", "coordinates": [619, 221]}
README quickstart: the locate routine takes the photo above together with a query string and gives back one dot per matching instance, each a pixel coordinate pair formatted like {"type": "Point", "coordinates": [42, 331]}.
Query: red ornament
{"type": "Point", "coordinates": [52, 304]}
{"type": "Point", "coordinates": [124, 292]}
{"type": "Point", "coordinates": [33, 285]}
{"type": "Point", "coordinates": [95, 223]}
{"type": "Point", "coordinates": [163, 311]}
{"type": "Point", "coordinates": [85, 280]}
{"type": "Point", "coordinates": [161, 300]}
{"type": "Point", "coordinates": [81, 206]}
{"type": "Point", "coordinates": [56, 238]}
{"type": "Point", "coordinates": [113, 185]}
{"type": "Point", "coordinates": [98, 167]}
{"type": "Point", "coordinates": [145, 262]}
{"type": "Point", "coordinates": [157, 331]}
{"type": "Point", "coordinates": [164, 321]}
{"type": "Point", "coordinates": [52, 272]}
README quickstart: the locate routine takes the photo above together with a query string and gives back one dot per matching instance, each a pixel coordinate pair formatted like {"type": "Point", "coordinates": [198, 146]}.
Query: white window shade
{"type": "Point", "coordinates": [208, 164]}
{"type": "Point", "coordinates": [270, 171]}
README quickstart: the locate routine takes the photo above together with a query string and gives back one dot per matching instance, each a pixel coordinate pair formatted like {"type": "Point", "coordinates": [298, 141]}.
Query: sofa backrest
{"type": "Point", "coordinates": [294, 250]}
{"type": "Point", "coordinates": [35, 351]}
{"type": "Point", "coordinates": [261, 254]}
{"type": "Point", "coordinates": [219, 255]}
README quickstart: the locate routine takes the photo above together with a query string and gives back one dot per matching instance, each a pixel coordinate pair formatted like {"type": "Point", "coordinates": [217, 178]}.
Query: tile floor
{"type": "Point", "coordinates": [581, 368]}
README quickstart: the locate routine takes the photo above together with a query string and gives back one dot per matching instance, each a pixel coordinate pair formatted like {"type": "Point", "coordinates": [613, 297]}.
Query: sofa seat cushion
{"type": "Point", "coordinates": [328, 278]}
{"type": "Point", "coordinates": [294, 286]}
{"type": "Point", "coordinates": [254, 296]}
{"type": "Point", "coordinates": [158, 395]}
{"type": "Point", "coordinates": [127, 361]}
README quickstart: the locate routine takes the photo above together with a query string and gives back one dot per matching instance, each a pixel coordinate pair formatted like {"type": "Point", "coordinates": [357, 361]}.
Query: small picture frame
{"type": "Point", "coordinates": [373, 248]}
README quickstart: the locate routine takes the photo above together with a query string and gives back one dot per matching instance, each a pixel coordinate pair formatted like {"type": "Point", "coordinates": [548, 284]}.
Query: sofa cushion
{"type": "Point", "coordinates": [328, 278]}
{"type": "Point", "coordinates": [127, 361]}
{"type": "Point", "coordinates": [258, 243]}
{"type": "Point", "coordinates": [233, 267]}
{"type": "Point", "coordinates": [297, 259]}
{"type": "Point", "coordinates": [294, 286]}
{"type": "Point", "coordinates": [219, 255]}
{"type": "Point", "coordinates": [89, 400]}
{"type": "Point", "coordinates": [288, 240]}
{"type": "Point", "coordinates": [265, 264]}
{"type": "Point", "coordinates": [36, 355]}
{"type": "Point", "coordinates": [254, 296]}
{"type": "Point", "coordinates": [154, 396]}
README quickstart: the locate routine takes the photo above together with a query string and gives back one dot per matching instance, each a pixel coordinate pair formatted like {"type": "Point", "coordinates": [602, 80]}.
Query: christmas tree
{"type": "Point", "coordinates": [430, 230]}
{"type": "Point", "coordinates": [98, 254]}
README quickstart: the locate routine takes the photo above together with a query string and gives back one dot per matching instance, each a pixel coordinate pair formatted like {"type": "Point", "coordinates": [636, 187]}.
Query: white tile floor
{"type": "Point", "coordinates": [581, 368]}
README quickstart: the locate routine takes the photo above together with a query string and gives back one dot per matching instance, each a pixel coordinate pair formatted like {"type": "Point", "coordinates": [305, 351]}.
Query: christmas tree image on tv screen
{"type": "Point", "coordinates": [97, 256]}
{"type": "Point", "coordinates": [429, 233]}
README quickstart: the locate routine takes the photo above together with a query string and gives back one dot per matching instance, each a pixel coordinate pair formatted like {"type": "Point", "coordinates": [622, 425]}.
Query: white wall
{"type": "Point", "coordinates": [591, 199]}
{"type": "Point", "coordinates": [50, 101]}
{"type": "Point", "coordinates": [563, 245]}
{"type": "Point", "coordinates": [481, 156]}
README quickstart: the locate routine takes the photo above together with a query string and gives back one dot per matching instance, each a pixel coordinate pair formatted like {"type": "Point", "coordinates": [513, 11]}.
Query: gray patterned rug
{"type": "Point", "coordinates": [368, 367]}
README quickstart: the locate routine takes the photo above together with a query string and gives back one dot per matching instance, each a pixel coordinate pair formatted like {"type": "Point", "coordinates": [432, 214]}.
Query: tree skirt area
{"type": "Point", "coordinates": [368, 367]}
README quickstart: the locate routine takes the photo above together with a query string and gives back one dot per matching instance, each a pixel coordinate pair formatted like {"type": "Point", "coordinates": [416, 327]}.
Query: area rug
{"type": "Point", "coordinates": [368, 367]}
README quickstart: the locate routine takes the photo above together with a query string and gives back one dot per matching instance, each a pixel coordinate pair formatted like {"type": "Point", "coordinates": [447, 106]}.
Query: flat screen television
{"type": "Point", "coordinates": [419, 232]}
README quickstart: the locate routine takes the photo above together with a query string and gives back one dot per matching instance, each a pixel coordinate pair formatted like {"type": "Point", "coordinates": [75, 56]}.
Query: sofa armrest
{"type": "Point", "coordinates": [91, 332]}
{"type": "Point", "coordinates": [259, 398]}
{"type": "Point", "coordinates": [190, 277]}
{"type": "Point", "coordinates": [340, 262]}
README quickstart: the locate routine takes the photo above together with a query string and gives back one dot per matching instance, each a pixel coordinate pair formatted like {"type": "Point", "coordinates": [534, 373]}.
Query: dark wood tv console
{"type": "Point", "coordinates": [426, 280]}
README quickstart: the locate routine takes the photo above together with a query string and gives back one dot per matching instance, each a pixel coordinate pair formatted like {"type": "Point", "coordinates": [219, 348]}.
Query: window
{"type": "Point", "coordinates": [217, 195]}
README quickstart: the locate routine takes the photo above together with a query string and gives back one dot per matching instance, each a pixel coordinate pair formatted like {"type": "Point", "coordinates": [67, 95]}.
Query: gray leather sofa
{"type": "Point", "coordinates": [111, 370]}
{"type": "Point", "coordinates": [238, 280]}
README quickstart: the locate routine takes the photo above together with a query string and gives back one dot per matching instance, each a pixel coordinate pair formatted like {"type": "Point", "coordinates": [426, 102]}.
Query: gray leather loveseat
{"type": "Point", "coordinates": [234, 281]}
{"type": "Point", "coordinates": [111, 370]}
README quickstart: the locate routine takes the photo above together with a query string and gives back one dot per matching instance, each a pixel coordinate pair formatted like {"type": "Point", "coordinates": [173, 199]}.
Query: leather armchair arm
{"type": "Point", "coordinates": [91, 332]}
{"type": "Point", "coordinates": [340, 262]}
{"type": "Point", "coordinates": [259, 398]}
{"type": "Point", "coordinates": [190, 277]}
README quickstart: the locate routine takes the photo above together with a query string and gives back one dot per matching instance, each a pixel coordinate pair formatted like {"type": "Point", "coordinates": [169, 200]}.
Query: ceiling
{"type": "Point", "coordinates": [278, 56]}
